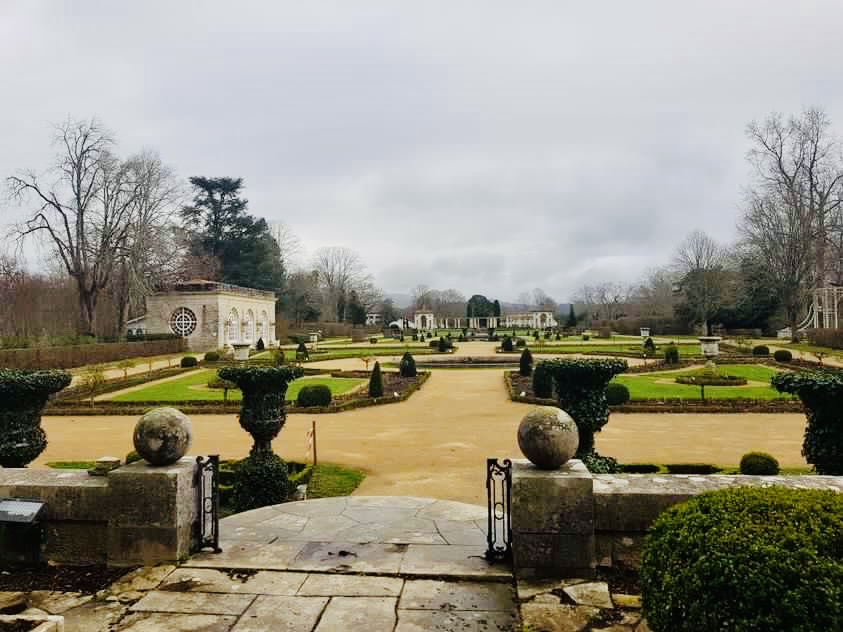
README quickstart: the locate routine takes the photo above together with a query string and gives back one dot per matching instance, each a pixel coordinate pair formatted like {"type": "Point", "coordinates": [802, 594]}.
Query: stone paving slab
{"type": "Point", "coordinates": [213, 581]}
{"type": "Point", "coordinates": [351, 586]}
{"type": "Point", "coordinates": [349, 557]}
{"type": "Point", "coordinates": [372, 614]}
{"type": "Point", "coordinates": [450, 561]}
{"type": "Point", "coordinates": [168, 622]}
{"type": "Point", "coordinates": [431, 621]}
{"type": "Point", "coordinates": [274, 556]}
{"type": "Point", "coordinates": [193, 602]}
{"type": "Point", "coordinates": [423, 594]}
{"type": "Point", "coordinates": [282, 614]}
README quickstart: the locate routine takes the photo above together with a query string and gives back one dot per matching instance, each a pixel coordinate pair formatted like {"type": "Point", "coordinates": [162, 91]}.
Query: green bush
{"type": "Point", "coordinates": [407, 367]}
{"type": "Point", "coordinates": [373, 340]}
{"type": "Point", "coordinates": [542, 382]}
{"type": "Point", "coordinates": [376, 382]}
{"type": "Point", "coordinates": [691, 468]}
{"type": "Point", "coordinates": [314, 395]}
{"type": "Point", "coordinates": [278, 358]}
{"type": "Point", "coordinates": [525, 364]}
{"type": "Point", "coordinates": [599, 464]}
{"type": "Point", "coordinates": [585, 337]}
{"type": "Point", "coordinates": [761, 350]}
{"type": "Point", "coordinates": [822, 395]}
{"type": "Point", "coordinates": [259, 346]}
{"type": "Point", "coordinates": [212, 356]}
{"type": "Point", "coordinates": [746, 559]}
{"type": "Point", "coordinates": [261, 480]}
{"type": "Point", "coordinates": [649, 346]}
{"type": "Point", "coordinates": [782, 355]}
{"type": "Point", "coordinates": [581, 389]}
{"type": "Point", "coordinates": [617, 394]}
{"type": "Point", "coordinates": [302, 352]}
{"type": "Point", "coordinates": [443, 345]}
{"type": "Point", "coordinates": [506, 345]}
{"type": "Point", "coordinates": [189, 361]}
{"type": "Point", "coordinates": [520, 343]}
{"type": "Point", "coordinates": [671, 354]}
{"type": "Point", "coordinates": [759, 463]}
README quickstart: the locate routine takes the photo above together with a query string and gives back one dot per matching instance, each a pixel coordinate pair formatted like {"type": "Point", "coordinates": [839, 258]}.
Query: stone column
{"type": "Point", "coordinates": [553, 520]}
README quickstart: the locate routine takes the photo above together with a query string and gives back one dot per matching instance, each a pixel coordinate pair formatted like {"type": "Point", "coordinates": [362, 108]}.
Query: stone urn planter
{"type": "Point", "coordinates": [23, 395]}
{"type": "Point", "coordinates": [262, 476]}
{"type": "Point", "coordinates": [241, 351]}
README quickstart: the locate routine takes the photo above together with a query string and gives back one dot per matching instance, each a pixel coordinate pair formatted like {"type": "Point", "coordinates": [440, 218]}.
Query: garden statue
{"type": "Point", "coordinates": [548, 437]}
{"type": "Point", "coordinates": [262, 476]}
{"type": "Point", "coordinates": [162, 436]}
{"type": "Point", "coordinates": [23, 395]}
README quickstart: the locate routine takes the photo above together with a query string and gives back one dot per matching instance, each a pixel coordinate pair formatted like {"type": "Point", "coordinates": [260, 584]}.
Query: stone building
{"type": "Point", "coordinates": [210, 315]}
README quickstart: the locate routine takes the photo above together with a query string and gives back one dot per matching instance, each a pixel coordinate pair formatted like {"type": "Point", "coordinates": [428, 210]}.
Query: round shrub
{"type": "Point", "coordinates": [407, 367]}
{"type": "Point", "coordinates": [759, 463]}
{"type": "Point", "coordinates": [373, 340]}
{"type": "Point", "coordinates": [260, 480]}
{"type": "Point", "coordinates": [671, 354]}
{"type": "Point", "coordinates": [746, 558]}
{"type": "Point", "coordinates": [542, 382]}
{"type": "Point", "coordinates": [314, 395]}
{"type": "Point", "coordinates": [188, 361]}
{"type": "Point", "coordinates": [761, 350]}
{"type": "Point", "coordinates": [212, 356]}
{"type": "Point", "coordinates": [782, 355]}
{"type": "Point", "coordinates": [822, 395]}
{"type": "Point", "coordinates": [520, 343]}
{"type": "Point", "coordinates": [649, 346]}
{"type": "Point", "coordinates": [525, 364]}
{"type": "Point", "coordinates": [617, 394]}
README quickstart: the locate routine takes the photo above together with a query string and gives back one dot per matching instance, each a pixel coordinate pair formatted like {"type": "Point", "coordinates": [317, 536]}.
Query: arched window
{"type": "Point", "coordinates": [232, 324]}
{"type": "Point", "coordinates": [264, 327]}
{"type": "Point", "coordinates": [249, 326]}
{"type": "Point", "coordinates": [182, 322]}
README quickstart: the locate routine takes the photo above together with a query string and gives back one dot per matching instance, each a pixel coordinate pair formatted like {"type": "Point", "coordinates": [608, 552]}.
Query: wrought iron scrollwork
{"type": "Point", "coordinates": [208, 523]}
{"type": "Point", "coordinates": [499, 495]}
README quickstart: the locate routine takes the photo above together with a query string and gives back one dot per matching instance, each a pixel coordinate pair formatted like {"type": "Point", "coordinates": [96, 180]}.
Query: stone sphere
{"type": "Point", "coordinates": [162, 436]}
{"type": "Point", "coordinates": [548, 437]}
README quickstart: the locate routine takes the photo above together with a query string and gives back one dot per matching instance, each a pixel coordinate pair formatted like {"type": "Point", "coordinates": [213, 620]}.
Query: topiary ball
{"type": "Point", "coordinates": [548, 437]}
{"type": "Point", "coordinates": [617, 394]}
{"type": "Point", "coordinates": [261, 480]}
{"type": "Point", "coordinates": [746, 558]}
{"type": "Point", "coordinates": [761, 350]}
{"type": "Point", "coordinates": [163, 436]}
{"type": "Point", "coordinates": [759, 464]}
{"type": "Point", "coordinates": [782, 355]}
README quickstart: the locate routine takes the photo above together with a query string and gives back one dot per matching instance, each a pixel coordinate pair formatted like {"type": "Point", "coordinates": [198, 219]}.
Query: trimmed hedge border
{"type": "Point", "coordinates": [674, 405]}
{"type": "Point", "coordinates": [198, 407]}
{"type": "Point", "coordinates": [73, 356]}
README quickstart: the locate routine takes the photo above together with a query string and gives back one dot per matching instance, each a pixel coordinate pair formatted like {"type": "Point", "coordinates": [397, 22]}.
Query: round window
{"type": "Point", "coordinates": [183, 322]}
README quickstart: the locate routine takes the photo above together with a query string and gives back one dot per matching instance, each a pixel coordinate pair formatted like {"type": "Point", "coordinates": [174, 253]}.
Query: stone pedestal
{"type": "Point", "coordinates": [553, 520]}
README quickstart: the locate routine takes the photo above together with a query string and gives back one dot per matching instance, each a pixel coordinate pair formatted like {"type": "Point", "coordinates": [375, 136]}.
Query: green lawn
{"type": "Point", "coordinates": [180, 390]}
{"type": "Point", "coordinates": [330, 480]}
{"type": "Point", "coordinates": [553, 346]}
{"type": "Point", "coordinates": [645, 386]}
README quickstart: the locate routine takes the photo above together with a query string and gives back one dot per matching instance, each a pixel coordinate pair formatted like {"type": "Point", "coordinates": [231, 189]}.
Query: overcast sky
{"type": "Point", "coordinates": [493, 147]}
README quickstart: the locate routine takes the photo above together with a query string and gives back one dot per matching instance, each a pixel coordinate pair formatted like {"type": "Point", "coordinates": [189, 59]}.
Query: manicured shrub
{"type": "Point", "coordinates": [259, 346]}
{"type": "Point", "coordinates": [761, 350]}
{"type": "Point", "coordinates": [617, 394]}
{"type": "Point", "coordinates": [822, 395]}
{"type": "Point", "coordinates": [314, 395]}
{"type": "Point", "coordinates": [189, 361]}
{"type": "Point", "coordinates": [23, 395]}
{"type": "Point", "coordinates": [520, 343]}
{"type": "Point", "coordinates": [746, 559]}
{"type": "Point", "coordinates": [443, 345]}
{"type": "Point", "coordinates": [301, 352]}
{"type": "Point", "coordinates": [649, 346]}
{"type": "Point", "coordinates": [421, 338]}
{"type": "Point", "coordinates": [671, 354]}
{"type": "Point", "coordinates": [260, 481]}
{"type": "Point", "coordinates": [376, 382]}
{"type": "Point", "coordinates": [461, 338]}
{"type": "Point", "coordinates": [535, 335]}
{"type": "Point", "coordinates": [585, 337]}
{"type": "Point", "coordinates": [547, 335]}
{"type": "Point", "coordinates": [373, 340]}
{"type": "Point", "coordinates": [415, 337]}
{"type": "Point", "coordinates": [558, 337]}
{"type": "Point", "coordinates": [599, 464]}
{"type": "Point", "coordinates": [782, 355]}
{"type": "Point", "coordinates": [525, 364]}
{"type": "Point", "coordinates": [133, 457]}
{"type": "Point", "coordinates": [691, 468]}
{"type": "Point", "coordinates": [212, 356]}
{"type": "Point", "coordinates": [542, 382]}
{"type": "Point", "coordinates": [407, 367]}
{"type": "Point", "coordinates": [759, 463]}
{"type": "Point", "coordinates": [581, 389]}
{"type": "Point", "coordinates": [506, 345]}
{"type": "Point", "coordinates": [278, 358]}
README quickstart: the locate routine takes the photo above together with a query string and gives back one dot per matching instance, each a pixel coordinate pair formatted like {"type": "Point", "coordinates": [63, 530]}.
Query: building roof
{"type": "Point", "coordinates": [204, 285]}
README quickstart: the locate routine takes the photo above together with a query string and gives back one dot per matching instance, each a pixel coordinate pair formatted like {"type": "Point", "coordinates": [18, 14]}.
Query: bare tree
{"type": "Point", "coordinates": [288, 243]}
{"type": "Point", "coordinates": [655, 295]}
{"type": "Point", "coordinates": [798, 172]}
{"type": "Point", "coordinates": [339, 270]}
{"type": "Point", "coordinates": [543, 299]}
{"type": "Point", "coordinates": [605, 301]}
{"type": "Point", "coordinates": [302, 296]}
{"type": "Point", "coordinates": [84, 213]}
{"type": "Point", "coordinates": [423, 296]}
{"type": "Point", "coordinates": [701, 266]}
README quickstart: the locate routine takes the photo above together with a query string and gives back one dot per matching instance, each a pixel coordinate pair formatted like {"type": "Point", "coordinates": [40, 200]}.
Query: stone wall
{"type": "Point", "coordinates": [567, 522]}
{"type": "Point", "coordinates": [136, 514]}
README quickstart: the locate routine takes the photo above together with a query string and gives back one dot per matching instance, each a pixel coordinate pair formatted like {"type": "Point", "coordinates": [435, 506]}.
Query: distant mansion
{"type": "Point", "coordinates": [426, 320]}
{"type": "Point", "coordinates": [210, 315]}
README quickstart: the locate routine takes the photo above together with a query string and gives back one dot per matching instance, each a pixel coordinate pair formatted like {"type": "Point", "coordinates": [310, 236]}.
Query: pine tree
{"type": "Point", "coordinates": [407, 368]}
{"type": "Point", "coordinates": [571, 323]}
{"type": "Point", "coordinates": [526, 363]}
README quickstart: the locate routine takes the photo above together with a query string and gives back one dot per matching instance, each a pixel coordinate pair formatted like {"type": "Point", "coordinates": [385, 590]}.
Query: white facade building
{"type": "Point", "coordinates": [534, 319]}
{"type": "Point", "coordinates": [374, 318]}
{"type": "Point", "coordinates": [210, 315]}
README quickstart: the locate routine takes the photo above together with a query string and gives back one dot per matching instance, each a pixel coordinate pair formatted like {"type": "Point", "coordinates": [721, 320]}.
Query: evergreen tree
{"type": "Point", "coordinates": [542, 382]}
{"type": "Point", "coordinates": [571, 323]}
{"type": "Point", "coordinates": [496, 308]}
{"type": "Point", "coordinates": [376, 382]}
{"type": "Point", "coordinates": [525, 365]}
{"type": "Point", "coordinates": [407, 368]}
{"type": "Point", "coordinates": [355, 311]}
